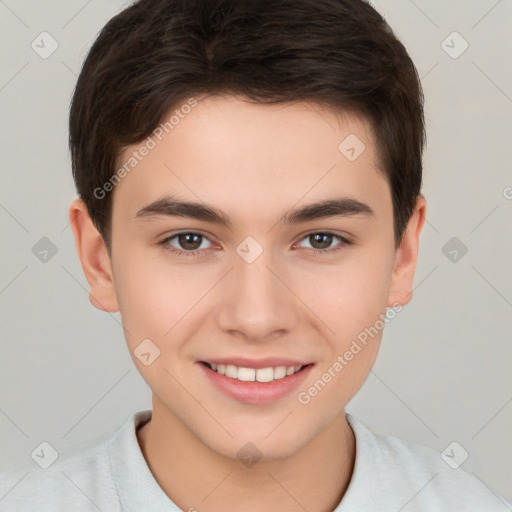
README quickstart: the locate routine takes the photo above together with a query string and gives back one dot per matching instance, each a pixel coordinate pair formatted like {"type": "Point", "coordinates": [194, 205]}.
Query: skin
{"type": "Point", "coordinates": [254, 162]}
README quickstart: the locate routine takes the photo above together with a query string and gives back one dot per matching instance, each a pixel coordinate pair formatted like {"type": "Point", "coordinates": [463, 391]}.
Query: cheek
{"type": "Point", "coordinates": [349, 296]}
{"type": "Point", "coordinates": [352, 305]}
{"type": "Point", "coordinates": [162, 296]}
{"type": "Point", "coordinates": [154, 297]}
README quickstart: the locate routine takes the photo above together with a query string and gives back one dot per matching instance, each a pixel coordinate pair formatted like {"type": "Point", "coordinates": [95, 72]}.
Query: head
{"type": "Point", "coordinates": [255, 111]}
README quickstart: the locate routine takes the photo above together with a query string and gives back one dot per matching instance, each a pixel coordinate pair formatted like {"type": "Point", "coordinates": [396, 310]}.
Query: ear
{"type": "Point", "coordinates": [406, 257]}
{"type": "Point", "coordinates": [94, 257]}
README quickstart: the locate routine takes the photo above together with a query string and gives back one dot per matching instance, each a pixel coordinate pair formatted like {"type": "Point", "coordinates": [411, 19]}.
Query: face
{"type": "Point", "coordinates": [254, 277]}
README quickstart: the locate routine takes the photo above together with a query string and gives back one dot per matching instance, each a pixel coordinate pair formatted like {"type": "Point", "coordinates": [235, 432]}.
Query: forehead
{"type": "Point", "coordinates": [225, 150]}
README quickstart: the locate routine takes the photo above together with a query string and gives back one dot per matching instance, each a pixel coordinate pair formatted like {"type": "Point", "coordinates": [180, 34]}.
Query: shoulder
{"type": "Point", "coordinates": [79, 480]}
{"type": "Point", "coordinates": [396, 474]}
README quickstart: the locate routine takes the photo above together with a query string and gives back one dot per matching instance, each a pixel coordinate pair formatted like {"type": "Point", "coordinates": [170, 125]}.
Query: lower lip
{"type": "Point", "coordinates": [256, 392]}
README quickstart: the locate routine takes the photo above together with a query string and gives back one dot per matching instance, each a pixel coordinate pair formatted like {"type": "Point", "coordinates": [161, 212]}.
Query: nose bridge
{"type": "Point", "coordinates": [257, 303]}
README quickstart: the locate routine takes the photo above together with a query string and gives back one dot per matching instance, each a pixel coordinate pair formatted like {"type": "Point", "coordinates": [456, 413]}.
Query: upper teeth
{"type": "Point", "coordinates": [252, 374]}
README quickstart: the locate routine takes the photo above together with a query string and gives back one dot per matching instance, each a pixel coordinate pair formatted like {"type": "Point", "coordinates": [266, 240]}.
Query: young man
{"type": "Point", "coordinates": [249, 177]}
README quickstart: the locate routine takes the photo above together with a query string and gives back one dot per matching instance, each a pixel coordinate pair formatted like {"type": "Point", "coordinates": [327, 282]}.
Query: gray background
{"type": "Point", "coordinates": [444, 369]}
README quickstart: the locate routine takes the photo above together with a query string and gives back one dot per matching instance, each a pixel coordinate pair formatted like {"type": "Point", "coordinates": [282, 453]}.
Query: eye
{"type": "Point", "coordinates": [188, 243]}
{"type": "Point", "coordinates": [322, 240]}
{"type": "Point", "coordinates": [191, 243]}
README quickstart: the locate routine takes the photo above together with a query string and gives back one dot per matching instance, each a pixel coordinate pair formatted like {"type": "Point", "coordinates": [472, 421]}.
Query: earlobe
{"type": "Point", "coordinates": [400, 291]}
{"type": "Point", "coordinates": [94, 258]}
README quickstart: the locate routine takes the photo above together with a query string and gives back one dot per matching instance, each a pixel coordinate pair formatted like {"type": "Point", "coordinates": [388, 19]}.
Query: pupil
{"type": "Point", "coordinates": [187, 243]}
{"type": "Point", "coordinates": [326, 244]}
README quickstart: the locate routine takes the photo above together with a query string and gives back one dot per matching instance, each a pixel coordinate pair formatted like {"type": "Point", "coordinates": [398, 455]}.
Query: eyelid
{"type": "Point", "coordinates": [341, 234]}
{"type": "Point", "coordinates": [345, 241]}
{"type": "Point", "coordinates": [170, 236]}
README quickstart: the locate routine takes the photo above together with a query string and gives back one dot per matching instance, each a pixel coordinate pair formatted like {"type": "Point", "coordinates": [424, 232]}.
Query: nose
{"type": "Point", "coordinates": [256, 302]}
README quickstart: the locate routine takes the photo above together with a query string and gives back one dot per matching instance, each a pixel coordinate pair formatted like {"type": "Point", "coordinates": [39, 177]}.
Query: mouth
{"type": "Point", "coordinates": [247, 374]}
{"type": "Point", "coordinates": [248, 384]}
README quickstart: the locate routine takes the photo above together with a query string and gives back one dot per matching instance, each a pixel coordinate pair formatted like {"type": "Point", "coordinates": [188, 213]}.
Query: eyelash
{"type": "Point", "coordinates": [197, 252]}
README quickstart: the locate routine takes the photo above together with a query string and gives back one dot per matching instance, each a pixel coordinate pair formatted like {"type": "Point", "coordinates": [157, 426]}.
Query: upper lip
{"type": "Point", "coordinates": [256, 363]}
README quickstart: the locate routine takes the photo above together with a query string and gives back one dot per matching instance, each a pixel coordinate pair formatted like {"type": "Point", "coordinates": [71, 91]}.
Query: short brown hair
{"type": "Point", "coordinates": [156, 53]}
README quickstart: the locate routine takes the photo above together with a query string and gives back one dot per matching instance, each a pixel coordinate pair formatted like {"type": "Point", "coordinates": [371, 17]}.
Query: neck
{"type": "Point", "coordinates": [198, 478]}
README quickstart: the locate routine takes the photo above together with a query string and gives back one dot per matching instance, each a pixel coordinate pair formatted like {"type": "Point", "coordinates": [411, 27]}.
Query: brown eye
{"type": "Point", "coordinates": [189, 241]}
{"type": "Point", "coordinates": [186, 243]}
{"type": "Point", "coordinates": [322, 242]}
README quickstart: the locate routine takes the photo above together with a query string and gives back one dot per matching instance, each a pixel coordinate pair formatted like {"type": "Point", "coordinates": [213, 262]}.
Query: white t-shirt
{"type": "Point", "coordinates": [110, 474]}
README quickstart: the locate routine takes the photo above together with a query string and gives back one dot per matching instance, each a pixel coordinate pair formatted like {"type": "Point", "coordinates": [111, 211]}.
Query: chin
{"type": "Point", "coordinates": [249, 449]}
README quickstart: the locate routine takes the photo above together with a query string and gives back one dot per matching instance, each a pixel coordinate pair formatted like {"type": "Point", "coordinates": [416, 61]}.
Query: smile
{"type": "Point", "coordinates": [269, 382]}
{"type": "Point", "coordinates": [254, 374]}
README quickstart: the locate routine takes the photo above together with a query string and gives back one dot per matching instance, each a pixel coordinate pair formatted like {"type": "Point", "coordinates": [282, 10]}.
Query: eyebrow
{"type": "Point", "coordinates": [172, 207]}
